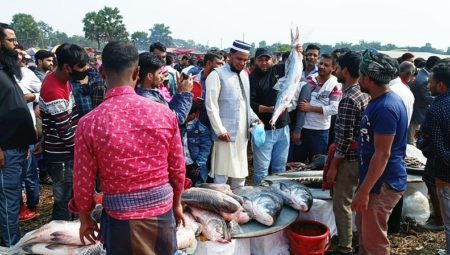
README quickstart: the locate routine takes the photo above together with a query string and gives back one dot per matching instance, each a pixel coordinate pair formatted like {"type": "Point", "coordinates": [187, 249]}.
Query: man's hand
{"type": "Point", "coordinates": [304, 106]}
{"type": "Point", "coordinates": [299, 50]}
{"type": "Point", "coordinates": [360, 201]}
{"type": "Point", "coordinates": [88, 227]}
{"type": "Point", "coordinates": [331, 174]}
{"type": "Point", "coordinates": [224, 137]}
{"type": "Point", "coordinates": [84, 81]}
{"type": "Point", "coordinates": [178, 214]}
{"type": "Point", "coordinates": [296, 136]}
{"type": "Point", "coordinates": [266, 109]}
{"type": "Point", "coordinates": [30, 97]}
{"type": "Point", "coordinates": [2, 159]}
{"type": "Point", "coordinates": [184, 85]}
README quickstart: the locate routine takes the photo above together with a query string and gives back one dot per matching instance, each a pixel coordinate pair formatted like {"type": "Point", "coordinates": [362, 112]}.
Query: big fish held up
{"type": "Point", "coordinates": [214, 226]}
{"type": "Point", "coordinates": [294, 194]}
{"type": "Point", "coordinates": [261, 203]}
{"type": "Point", "coordinates": [288, 86]}
{"type": "Point", "coordinates": [211, 200]}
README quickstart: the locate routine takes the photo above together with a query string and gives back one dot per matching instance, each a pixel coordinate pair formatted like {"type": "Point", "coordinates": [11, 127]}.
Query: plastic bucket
{"type": "Point", "coordinates": [309, 238]}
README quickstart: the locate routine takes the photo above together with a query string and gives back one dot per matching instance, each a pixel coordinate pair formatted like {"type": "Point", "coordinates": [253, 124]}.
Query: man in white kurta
{"type": "Point", "coordinates": [228, 109]}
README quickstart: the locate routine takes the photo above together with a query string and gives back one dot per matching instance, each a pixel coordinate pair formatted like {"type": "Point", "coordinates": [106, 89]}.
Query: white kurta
{"type": "Point", "coordinates": [227, 158]}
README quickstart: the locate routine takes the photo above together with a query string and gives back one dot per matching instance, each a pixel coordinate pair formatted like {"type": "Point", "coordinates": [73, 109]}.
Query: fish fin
{"type": "Point", "coordinates": [58, 236]}
{"type": "Point", "coordinates": [280, 81]}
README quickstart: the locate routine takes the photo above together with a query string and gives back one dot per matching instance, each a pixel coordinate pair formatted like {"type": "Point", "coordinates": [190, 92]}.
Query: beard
{"type": "Point", "coordinates": [234, 69]}
{"type": "Point", "coordinates": [10, 63]}
{"type": "Point", "coordinates": [340, 79]}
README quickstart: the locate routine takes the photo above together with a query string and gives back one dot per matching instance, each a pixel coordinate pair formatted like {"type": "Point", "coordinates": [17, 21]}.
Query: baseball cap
{"type": "Point", "coordinates": [263, 52]}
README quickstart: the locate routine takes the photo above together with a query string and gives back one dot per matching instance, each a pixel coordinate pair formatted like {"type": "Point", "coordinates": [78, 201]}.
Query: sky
{"type": "Point", "coordinates": [218, 23]}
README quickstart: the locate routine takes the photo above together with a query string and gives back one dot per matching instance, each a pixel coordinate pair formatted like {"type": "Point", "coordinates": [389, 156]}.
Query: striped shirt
{"type": "Point", "coordinates": [346, 129]}
{"type": "Point", "coordinates": [59, 118]}
{"type": "Point", "coordinates": [133, 145]}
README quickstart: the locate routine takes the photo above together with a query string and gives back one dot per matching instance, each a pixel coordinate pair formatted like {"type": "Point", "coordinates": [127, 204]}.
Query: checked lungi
{"type": "Point", "coordinates": [153, 236]}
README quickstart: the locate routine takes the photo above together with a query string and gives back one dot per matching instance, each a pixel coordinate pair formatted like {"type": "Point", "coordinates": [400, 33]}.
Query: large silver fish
{"type": "Point", "coordinates": [214, 227]}
{"type": "Point", "coordinates": [211, 200]}
{"type": "Point", "coordinates": [294, 194]}
{"type": "Point", "coordinates": [288, 86]}
{"type": "Point", "coordinates": [224, 188]}
{"type": "Point", "coordinates": [261, 203]}
{"type": "Point", "coordinates": [56, 231]}
{"type": "Point", "coordinates": [63, 249]}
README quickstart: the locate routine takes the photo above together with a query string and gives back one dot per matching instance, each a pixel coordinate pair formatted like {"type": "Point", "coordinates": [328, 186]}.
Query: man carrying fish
{"type": "Point", "coordinates": [382, 146]}
{"type": "Point", "coordinates": [139, 161]}
{"type": "Point", "coordinates": [263, 97]}
{"type": "Point", "coordinates": [227, 103]}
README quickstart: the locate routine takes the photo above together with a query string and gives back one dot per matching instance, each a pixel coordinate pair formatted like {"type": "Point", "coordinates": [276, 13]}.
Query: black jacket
{"type": "Point", "coordinates": [262, 93]}
{"type": "Point", "coordinates": [16, 125]}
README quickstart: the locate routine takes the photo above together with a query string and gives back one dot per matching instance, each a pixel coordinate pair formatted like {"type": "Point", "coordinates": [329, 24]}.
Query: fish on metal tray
{"type": "Point", "coordinates": [63, 249]}
{"type": "Point", "coordinates": [288, 85]}
{"type": "Point", "coordinates": [224, 188]}
{"type": "Point", "coordinates": [294, 194]}
{"type": "Point", "coordinates": [300, 174]}
{"type": "Point", "coordinates": [214, 227]}
{"type": "Point", "coordinates": [261, 203]}
{"type": "Point", "coordinates": [211, 200]}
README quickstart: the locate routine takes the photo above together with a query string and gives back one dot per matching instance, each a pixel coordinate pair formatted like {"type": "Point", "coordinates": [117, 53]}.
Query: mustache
{"type": "Point", "coordinates": [9, 60]}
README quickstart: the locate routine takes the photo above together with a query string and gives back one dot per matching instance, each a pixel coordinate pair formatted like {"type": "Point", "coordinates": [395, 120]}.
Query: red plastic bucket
{"type": "Point", "coordinates": [309, 238]}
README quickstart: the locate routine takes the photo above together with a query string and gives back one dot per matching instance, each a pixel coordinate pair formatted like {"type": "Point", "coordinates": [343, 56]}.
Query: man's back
{"type": "Point", "coordinates": [133, 141]}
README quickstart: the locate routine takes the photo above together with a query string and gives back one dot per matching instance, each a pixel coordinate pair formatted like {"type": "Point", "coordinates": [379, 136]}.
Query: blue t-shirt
{"type": "Point", "coordinates": [386, 115]}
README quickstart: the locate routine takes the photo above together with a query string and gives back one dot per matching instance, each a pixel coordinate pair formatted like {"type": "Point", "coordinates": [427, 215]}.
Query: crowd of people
{"type": "Point", "coordinates": [140, 128]}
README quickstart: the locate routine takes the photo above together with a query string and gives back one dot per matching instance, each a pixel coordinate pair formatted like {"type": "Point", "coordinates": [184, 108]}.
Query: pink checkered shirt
{"type": "Point", "coordinates": [132, 144]}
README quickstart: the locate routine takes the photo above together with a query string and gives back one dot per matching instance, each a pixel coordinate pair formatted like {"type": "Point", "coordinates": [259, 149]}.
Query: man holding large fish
{"type": "Point", "coordinates": [272, 91]}
{"type": "Point", "coordinates": [133, 145]}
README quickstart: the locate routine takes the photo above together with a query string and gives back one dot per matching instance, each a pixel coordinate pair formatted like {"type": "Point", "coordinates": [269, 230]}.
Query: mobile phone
{"type": "Point", "coordinates": [184, 76]}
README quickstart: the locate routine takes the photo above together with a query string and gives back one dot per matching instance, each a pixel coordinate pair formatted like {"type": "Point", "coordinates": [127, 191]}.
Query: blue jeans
{"type": "Point", "coordinates": [313, 142]}
{"type": "Point", "coordinates": [11, 177]}
{"type": "Point", "coordinates": [273, 152]}
{"type": "Point", "coordinates": [32, 181]}
{"type": "Point", "coordinates": [61, 174]}
{"type": "Point", "coordinates": [444, 199]}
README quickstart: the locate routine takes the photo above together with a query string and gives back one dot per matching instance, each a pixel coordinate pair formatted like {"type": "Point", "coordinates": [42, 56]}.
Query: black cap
{"type": "Point", "coordinates": [263, 52]}
{"type": "Point", "coordinates": [42, 54]}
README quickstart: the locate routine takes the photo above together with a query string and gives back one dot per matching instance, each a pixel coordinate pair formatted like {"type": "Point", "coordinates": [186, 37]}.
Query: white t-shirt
{"type": "Point", "coordinates": [403, 91]}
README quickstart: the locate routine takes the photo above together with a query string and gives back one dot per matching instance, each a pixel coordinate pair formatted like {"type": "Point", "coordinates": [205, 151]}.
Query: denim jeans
{"type": "Point", "coordinates": [61, 174]}
{"type": "Point", "coordinates": [314, 142]}
{"type": "Point", "coordinates": [444, 200]}
{"type": "Point", "coordinates": [32, 181]}
{"type": "Point", "coordinates": [273, 152]}
{"type": "Point", "coordinates": [11, 177]}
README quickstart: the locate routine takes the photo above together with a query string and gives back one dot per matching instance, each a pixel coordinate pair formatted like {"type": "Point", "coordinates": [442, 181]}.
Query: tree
{"type": "Point", "coordinates": [161, 33]}
{"type": "Point", "coordinates": [140, 40]}
{"type": "Point", "coordinates": [92, 27]}
{"type": "Point", "coordinates": [27, 30]}
{"type": "Point", "coordinates": [47, 34]}
{"type": "Point", "coordinates": [448, 51]}
{"type": "Point", "coordinates": [104, 26]}
{"type": "Point", "coordinates": [112, 25]}
{"type": "Point", "coordinates": [262, 44]}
